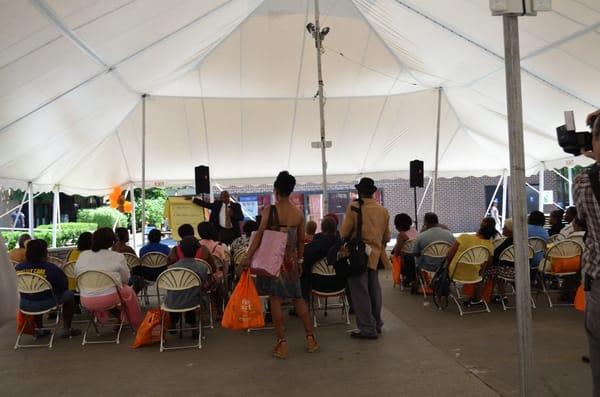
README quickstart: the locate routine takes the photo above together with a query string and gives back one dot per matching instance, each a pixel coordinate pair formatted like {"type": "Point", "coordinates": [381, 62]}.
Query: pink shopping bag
{"type": "Point", "coordinates": [268, 258]}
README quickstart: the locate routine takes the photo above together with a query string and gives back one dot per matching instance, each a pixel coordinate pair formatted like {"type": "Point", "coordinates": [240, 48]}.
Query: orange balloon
{"type": "Point", "coordinates": [117, 191]}
{"type": "Point", "coordinates": [127, 207]}
{"type": "Point", "coordinates": [113, 203]}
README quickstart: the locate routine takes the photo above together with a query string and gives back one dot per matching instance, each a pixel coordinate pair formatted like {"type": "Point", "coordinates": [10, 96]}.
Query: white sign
{"type": "Point", "coordinates": [548, 197]}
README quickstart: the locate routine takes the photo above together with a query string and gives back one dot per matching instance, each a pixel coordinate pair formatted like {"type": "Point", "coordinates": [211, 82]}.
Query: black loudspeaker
{"type": "Point", "coordinates": [416, 173]}
{"type": "Point", "coordinates": [202, 179]}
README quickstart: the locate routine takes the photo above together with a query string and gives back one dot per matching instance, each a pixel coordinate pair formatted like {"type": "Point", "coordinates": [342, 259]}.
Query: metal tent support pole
{"type": "Point", "coordinates": [541, 189]}
{"type": "Point", "coordinates": [437, 152]}
{"type": "Point", "coordinates": [20, 208]}
{"type": "Point", "coordinates": [318, 42]}
{"type": "Point", "coordinates": [424, 196]}
{"type": "Point", "coordinates": [570, 177]}
{"type": "Point", "coordinates": [518, 200]}
{"type": "Point", "coordinates": [144, 168]}
{"type": "Point", "coordinates": [416, 211]}
{"type": "Point", "coordinates": [493, 196]}
{"type": "Point", "coordinates": [30, 216]}
{"type": "Point", "coordinates": [504, 196]}
{"type": "Point", "coordinates": [55, 214]}
{"type": "Point", "coordinates": [133, 226]}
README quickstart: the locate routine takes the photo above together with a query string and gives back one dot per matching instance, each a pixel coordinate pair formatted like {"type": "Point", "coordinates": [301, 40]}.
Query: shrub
{"type": "Point", "coordinates": [155, 211]}
{"type": "Point", "coordinates": [103, 217]}
{"type": "Point", "coordinates": [68, 234]}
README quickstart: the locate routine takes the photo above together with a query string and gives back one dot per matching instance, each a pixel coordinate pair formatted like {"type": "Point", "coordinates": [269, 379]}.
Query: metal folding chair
{"type": "Point", "coordinates": [132, 261]}
{"type": "Point", "coordinates": [152, 260]}
{"type": "Point", "coordinates": [322, 268]}
{"type": "Point", "coordinates": [55, 261]}
{"type": "Point", "coordinates": [475, 257]}
{"type": "Point", "coordinates": [436, 250]}
{"type": "Point", "coordinates": [508, 255]}
{"type": "Point", "coordinates": [564, 249]}
{"type": "Point", "coordinates": [31, 283]}
{"type": "Point", "coordinates": [209, 294]}
{"type": "Point", "coordinates": [178, 279]}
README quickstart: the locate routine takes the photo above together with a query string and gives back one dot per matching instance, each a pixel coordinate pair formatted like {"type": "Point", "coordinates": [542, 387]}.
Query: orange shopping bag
{"type": "Point", "coordinates": [580, 299]}
{"type": "Point", "coordinates": [21, 319]}
{"type": "Point", "coordinates": [396, 269]}
{"type": "Point", "coordinates": [149, 330]}
{"type": "Point", "coordinates": [244, 309]}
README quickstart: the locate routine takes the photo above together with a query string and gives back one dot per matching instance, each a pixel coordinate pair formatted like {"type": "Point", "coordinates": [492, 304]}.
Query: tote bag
{"type": "Point", "coordinates": [270, 255]}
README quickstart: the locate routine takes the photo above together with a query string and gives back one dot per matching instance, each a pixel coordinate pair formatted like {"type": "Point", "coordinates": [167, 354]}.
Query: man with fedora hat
{"type": "Point", "coordinates": [365, 289]}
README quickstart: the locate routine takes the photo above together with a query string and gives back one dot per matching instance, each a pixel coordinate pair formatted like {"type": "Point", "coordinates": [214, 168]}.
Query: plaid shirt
{"type": "Point", "coordinates": [588, 209]}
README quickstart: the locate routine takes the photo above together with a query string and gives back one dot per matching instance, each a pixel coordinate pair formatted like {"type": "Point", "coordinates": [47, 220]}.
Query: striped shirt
{"type": "Point", "coordinates": [588, 209]}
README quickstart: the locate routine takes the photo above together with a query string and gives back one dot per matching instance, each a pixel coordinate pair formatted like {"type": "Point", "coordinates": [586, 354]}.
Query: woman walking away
{"type": "Point", "coordinates": [286, 218]}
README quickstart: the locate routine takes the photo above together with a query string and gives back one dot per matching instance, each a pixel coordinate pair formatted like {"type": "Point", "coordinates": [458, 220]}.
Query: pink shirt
{"type": "Point", "coordinates": [215, 248]}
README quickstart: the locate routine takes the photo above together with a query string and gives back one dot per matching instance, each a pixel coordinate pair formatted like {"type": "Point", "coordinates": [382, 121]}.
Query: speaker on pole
{"type": "Point", "coordinates": [202, 179]}
{"type": "Point", "coordinates": [416, 173]}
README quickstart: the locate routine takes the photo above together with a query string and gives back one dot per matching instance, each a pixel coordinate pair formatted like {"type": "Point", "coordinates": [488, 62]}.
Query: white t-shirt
{"type": "Point", "coordinates": [223, 216]}
{"type": "Point", "coordinates": [107, 261]}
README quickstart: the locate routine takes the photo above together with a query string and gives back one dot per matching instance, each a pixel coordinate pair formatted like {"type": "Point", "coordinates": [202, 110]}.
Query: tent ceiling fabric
{"type": "Point", "coordinates": [232, 82]}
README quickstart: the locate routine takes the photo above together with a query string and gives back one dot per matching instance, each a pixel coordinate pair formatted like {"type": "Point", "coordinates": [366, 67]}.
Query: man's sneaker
{"type": "Point", "coordinates": [360, 335]}
{"type": "Point", "coordinates": [69, 332]}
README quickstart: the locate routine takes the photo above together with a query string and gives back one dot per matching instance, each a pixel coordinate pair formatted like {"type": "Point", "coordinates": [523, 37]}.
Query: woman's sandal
{"type": "Point", "coordinates": [281, 349]}
{"type": "Point", "coordinates": [311, 343]}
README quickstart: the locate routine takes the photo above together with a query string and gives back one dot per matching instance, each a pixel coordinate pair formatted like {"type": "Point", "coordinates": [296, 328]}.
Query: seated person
{"type": "Point", "coordinates": [122, 240]}
{"type": "Point", "coordinates": [432, 231]}
{"type": "Point", "coordinates": [154, 245]}
{"type": "Point", "coordinates": [499, 268]}
{"type": "Point", "coordinates": [403, 223]}
{"type": "Point", "coordinates": [84, 243]}
{"type": "Point", "coordinates": [203, 253]}
{"type": "Point", "coordinates": [192, 296]}
{"type": "Point", "coordinates": [207, 233]}
{"type": "Point", "coordinates": [36, 262]}
{"type": "Point", "coordinates": [17, 255]}
{"type": "Point", "coordinates": [570, 216]}
{"type": "Point", "coordinates": [314, 252]}
{"type": "Point", "coordinates": [310, 230]}
{"type": "Point", "coordinates": [484, 235]}
{"type": "Point", "coordinates": [535, 228]}
{"type": "Point", "coordinates": [242, 243]}
{"type": "Point", "coordinates": [113, 263]}
{"type": "Point", "coordinates": [556, 222]}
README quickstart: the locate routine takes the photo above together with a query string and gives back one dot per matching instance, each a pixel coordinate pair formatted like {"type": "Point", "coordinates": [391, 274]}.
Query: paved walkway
{"type": "Point", "coordinates": [421, 353]}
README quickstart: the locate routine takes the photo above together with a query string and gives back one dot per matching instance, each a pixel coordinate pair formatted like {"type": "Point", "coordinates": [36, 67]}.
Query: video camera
{"type": "Point", "coordinates": [571, 141]}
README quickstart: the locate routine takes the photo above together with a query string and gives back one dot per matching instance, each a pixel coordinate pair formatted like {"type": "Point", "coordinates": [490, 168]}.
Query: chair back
{"type": "Point", "coordinates": [204, 263]}
{"type": "Point", "coordinates": [55, 261]}
{"type": "Point", "coordinates": [154, 260]}
{"type": "Point", "coordinates": [31, 283]}
{"type": "Point", "coordinates": [437, 249]}
{"type": "Point", "coordinates": [69, 269]}
{"type": "Point", "coordinates": [14, 263]}
{"type": "Point", "coordinates": [238, 256]}
{"type": "Point", "coordinates": [508, 255]}
{"type": "Point", "coordinates": [409, 246]}
{"type": "Point", "coordinates": [562, 250]}
{"type": "Point", "coordinates": [132, 260]}
{"type": "Point", "coordinates": [499, 241]}
{"type": "Point", "coordinates": [219, 263]}
{"type": "Point", "coordinates": [177, 279]}
{"type": "Point", "coordinates": [473, 257]}
{"type": "Point", "coordinates": [322, 268]}
{"type": "Point", "coordinates": [538, 244]}
{"type": "Point", "coordinates": [91, 281]}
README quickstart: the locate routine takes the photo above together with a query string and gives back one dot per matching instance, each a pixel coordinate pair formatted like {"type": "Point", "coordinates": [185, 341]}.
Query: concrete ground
{"type": "Point", "coordinates": [422, 352]}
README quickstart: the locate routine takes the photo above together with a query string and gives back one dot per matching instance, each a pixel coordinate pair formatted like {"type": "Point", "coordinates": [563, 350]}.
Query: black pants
{"type": "Point", "coordinates": [190, 318]}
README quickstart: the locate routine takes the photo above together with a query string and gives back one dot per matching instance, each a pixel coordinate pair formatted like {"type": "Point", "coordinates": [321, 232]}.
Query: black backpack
{"type": "Point", "coordinates": [351, 258]}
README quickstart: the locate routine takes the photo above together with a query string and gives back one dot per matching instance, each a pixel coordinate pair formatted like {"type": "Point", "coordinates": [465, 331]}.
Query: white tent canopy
{"type": "Point", "coordinates": [231, 85]}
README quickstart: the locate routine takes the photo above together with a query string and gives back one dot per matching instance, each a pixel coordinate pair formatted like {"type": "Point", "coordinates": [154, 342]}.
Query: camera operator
{"type": "Point", "coordinates": [587, 199]}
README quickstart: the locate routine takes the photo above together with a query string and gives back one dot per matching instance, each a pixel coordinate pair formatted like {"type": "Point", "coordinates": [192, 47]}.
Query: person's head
{"type": "Point", "coordinates": [403, 222]}
{"type": "Point", "coordinates": [23, 239]}
{"type": "Point", "coordinates": [570, 214]}
{"type": "Point", "coordinates": [328, 226]}
{"type": "Point", "coordinates": [249, 227]}
{"type": "Point", "coordinates": [122, 234]}
{"type": "Point", "coordinates": [487, 229]}
{"type": "Point", "coordinates": [284, 184]}
{"type": "Point", "coordinates": [154, 236]}
{"type": "Point", "coordinates": [579, 225]}
{"type": "Point", "coordinates": [556, 217]}
{"type": "Point", "coordinates": [334, 217]}
{"type": "Point", "coordinates": [536, 218]}
{"type": "Point", "coordinates": [206, 231]}
{"type": "Point", "coordinates": [366, 187]}
{"type": "Point", "coordinates": [225, 197]}
{"type": "Point", "coordinates": [430, 219]}
{"type": "Point", "coordinates": [37, 251]}
{"type": "Point", "coordinates": [84, 242]}
{"type": "Point", "coordinates": [596, 137]}
{"type": "Point", "coordinates": [311, 228]}
{"type": "Point", "coordinates": [103, 239]}
{"type": "Point", "coordinates": [507, 230]}
{"type": "Point", "coordinates": [185, 230]}
{"type": "Point", "coordinates": [189, 246]}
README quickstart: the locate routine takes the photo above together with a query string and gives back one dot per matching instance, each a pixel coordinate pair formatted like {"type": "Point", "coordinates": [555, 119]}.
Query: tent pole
{"type": "Point", "coordinates": [437, 152]}
{"type": "Point", "coordinates": [318, 44]}
{"type": "Point", "coordinates": [518, 200]}
{"type": "Point", "coordinates": [424, 195]}
{"type": "Point", "coordinates": [541, 190]}
{"type": "Point", "coordinates": [30, 216]}
{"type": "Point", "coordinates": [493, 196]}
{"type": "Point", "coordinates": [55, 215]}
{"type": "Point", "coordinates": [133, 228]}
{"type": "Point", "coordinates": [144, 168]}
{"type": "Point", "coordinates": [504, 197]}
{"type": "Point", "coordinates": [570, 176]}
{"type": "Point", "coordinates": [16, 218]}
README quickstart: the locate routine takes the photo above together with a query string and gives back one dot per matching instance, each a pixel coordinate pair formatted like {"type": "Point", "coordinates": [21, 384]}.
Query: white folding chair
{"type": "Point", "coordinates": [152, 260]}
{"type": "Point", "coordinates": [475, 258]}
{"type": "Point", "coordinates": [322, 268]}
{"type": "Point", "coordinates": [435, 250]}
{"type": "Point", "coordinates": [499, 241]}
{"type": "Point", "coordinates": [31, 283]}
{"type": "Point", "coordinates": [508, 255]}
{"type": "Point", "coordinates": [553, 239]}
{"type": "Point", "coordinates": [537, 244]}
{"type": "Point", "coordinates": [265, 302]}
{"type": "Point", "coordinates": [178, 279]}
{"type": "Point", "coordinates": [91, 281]}
{"type": "Point", "coordinates": [132, 261]}
{"type": "Point", "coordinates": [209, 294]}
{"type": "Point", "coordinates": [564, 249]}
{"type": "Point", "coordinates": [55, 261]}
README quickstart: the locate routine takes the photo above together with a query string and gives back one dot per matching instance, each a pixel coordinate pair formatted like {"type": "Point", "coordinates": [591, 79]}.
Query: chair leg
{"type": "Point", "coordinates": [314, 312]}
{"type": "Point", "coordinates": [457, 303]}
{"type": "Point", "coordinates": [18, 341]}
{"type": "Point", "coordinates": [347, 309]}
{"type": "Point", "coordinates": [162, 331]}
